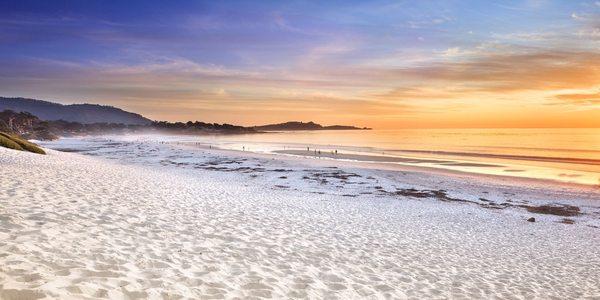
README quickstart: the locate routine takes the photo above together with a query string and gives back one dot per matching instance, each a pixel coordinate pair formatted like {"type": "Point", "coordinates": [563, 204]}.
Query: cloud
{"type": "Point", "coordinates": [177, 83]}
{"type": "Point", "coordinates": [420, 93]}
{"type": "Point", "coordinates": [590, 29]}
{"type": "Point", "coordinates": [428, 22]}
{"type": "Point", "coordinates": [581, 98]}
{"type": "Point", "coordinates": [521, 70]}
{"type": "Point", "coordinates": [541, 70]}
{"type": "Point", "coordinates": [457, 52]}
{"type": "Point", "coordinates": [327, 51]}
{"type": "Point", "coordinates": [478, 73]}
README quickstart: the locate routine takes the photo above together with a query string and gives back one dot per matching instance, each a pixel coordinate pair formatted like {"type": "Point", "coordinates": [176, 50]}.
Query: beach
{"type": "Point", "coordinates": [300, 150]}
{"type": "Point", "coordinates": [144, 218]}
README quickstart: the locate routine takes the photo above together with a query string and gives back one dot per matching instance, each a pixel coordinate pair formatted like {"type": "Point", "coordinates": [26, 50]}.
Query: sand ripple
{"type": "Point", "coordinates": [77, 227]}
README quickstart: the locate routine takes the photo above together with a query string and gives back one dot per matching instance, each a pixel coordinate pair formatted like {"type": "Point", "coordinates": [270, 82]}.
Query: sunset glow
{"type": "Point", "coordinates": [382, 64]}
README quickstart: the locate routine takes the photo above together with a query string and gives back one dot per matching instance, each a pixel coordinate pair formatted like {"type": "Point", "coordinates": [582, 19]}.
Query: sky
{"type": "Point", "coordinates": [382, 64]}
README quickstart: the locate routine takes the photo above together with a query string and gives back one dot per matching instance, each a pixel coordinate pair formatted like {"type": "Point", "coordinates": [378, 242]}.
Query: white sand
{"type": "Point", "coordinates": [73, 226]}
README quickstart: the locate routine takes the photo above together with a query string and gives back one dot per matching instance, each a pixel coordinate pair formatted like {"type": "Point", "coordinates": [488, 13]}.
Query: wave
{"type": "Point", "coordinates": [569, 160]}
{"type": "Point", "coordinates": [536, 149]}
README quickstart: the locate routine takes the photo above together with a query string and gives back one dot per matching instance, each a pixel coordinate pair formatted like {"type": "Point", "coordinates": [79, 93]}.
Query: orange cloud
{"type": "Point", "coordinates": [542, 70]}
{"type": "Point", "coordinates": [484, 88]}
{"type": "Point", "coordinates": [591, 98]}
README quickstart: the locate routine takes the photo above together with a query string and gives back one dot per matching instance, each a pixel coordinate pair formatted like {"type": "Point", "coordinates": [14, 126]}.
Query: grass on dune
{"type": "Point", "coordinates": [8, 143]}
{"type": "Point", "coordinates": [13, 142]}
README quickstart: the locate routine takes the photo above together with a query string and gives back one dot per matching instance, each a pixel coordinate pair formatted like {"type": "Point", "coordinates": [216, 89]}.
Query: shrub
{"type": "Point", "coordinates": [8, 143]}
{"type": "Point", "coordinates": [14, 142]}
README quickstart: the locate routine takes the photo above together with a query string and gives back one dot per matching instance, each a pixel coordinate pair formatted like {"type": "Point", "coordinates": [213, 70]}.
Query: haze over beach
{"type": "Point", "coordinates": [300, 149]}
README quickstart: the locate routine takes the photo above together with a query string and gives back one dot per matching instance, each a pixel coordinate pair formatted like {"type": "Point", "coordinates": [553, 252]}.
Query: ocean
{"type": "Point", "coordinates": [564, 155]}
{"type": "Point", "coordinates": [561, 154]}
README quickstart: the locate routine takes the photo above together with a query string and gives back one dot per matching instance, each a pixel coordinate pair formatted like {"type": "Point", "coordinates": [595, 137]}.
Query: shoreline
{"type": "Point", "coordinates": [504, 179]}
{"type": "Point", "coordinates": [199, 156]}
{"type": "Point", "coordinates": [496, 167]}
{"type": "Point", "coordinates": [546, 169]}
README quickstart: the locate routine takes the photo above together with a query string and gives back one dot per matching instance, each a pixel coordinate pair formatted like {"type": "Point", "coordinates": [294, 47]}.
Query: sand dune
{"type": "Point", "coordinates": [82, 227]}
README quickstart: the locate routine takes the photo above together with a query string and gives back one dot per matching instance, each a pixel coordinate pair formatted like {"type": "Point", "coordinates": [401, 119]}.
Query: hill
{"type": "Point", "coordinates": [80, 113]}
{"type": "Point", "coordinates": [290, 126]}
{"type": "Point", "coordinates": [28, 126]}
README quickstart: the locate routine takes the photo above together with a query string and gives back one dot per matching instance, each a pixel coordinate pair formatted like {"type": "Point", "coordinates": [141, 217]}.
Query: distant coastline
{"type": "Point", "coordinates": [80, 113]}
{"type": "Point", "coordinates": [294, 125]}
{"type": "Point", "coordinates": [44, 120]}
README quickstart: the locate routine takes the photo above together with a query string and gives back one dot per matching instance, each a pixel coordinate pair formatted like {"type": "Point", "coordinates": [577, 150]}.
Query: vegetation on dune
{"type": "Point", "coordinates": [16, 143]}
{"type": "Point", "coordinates": [8, 143]}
